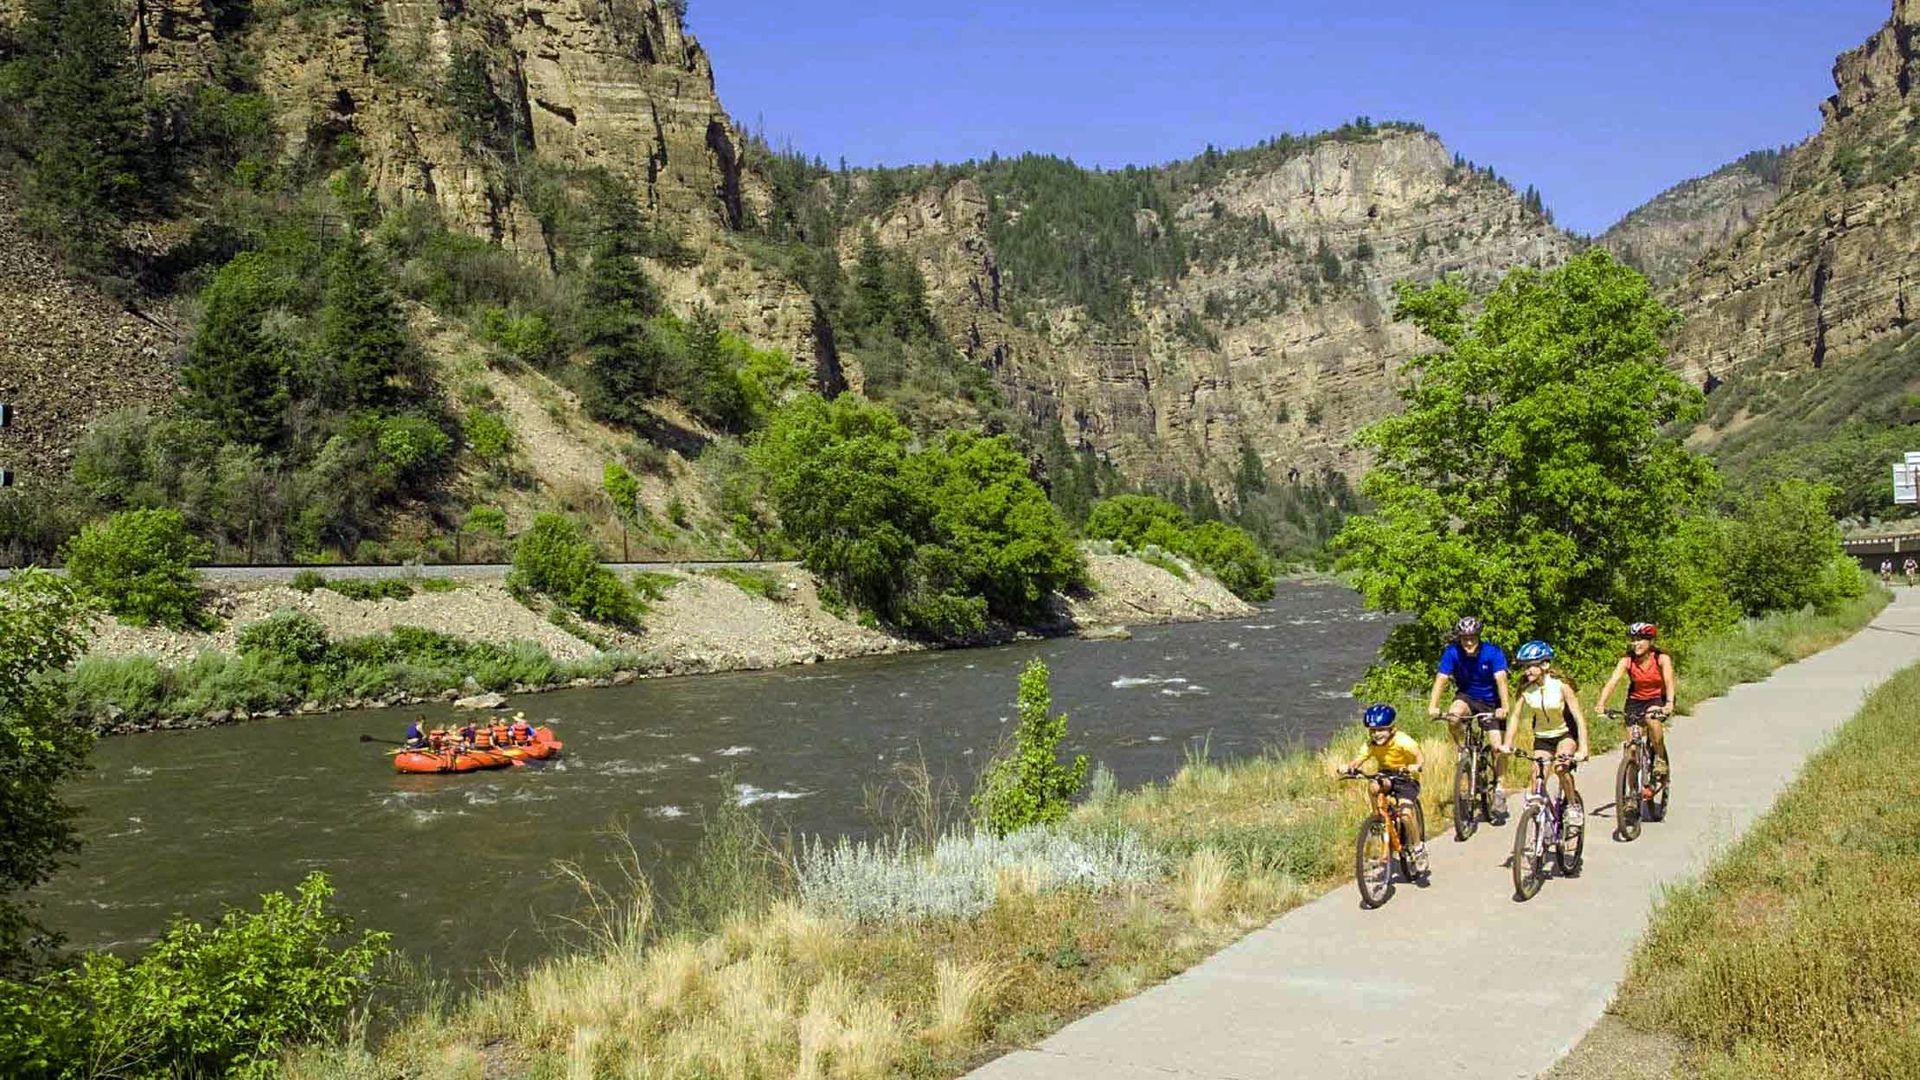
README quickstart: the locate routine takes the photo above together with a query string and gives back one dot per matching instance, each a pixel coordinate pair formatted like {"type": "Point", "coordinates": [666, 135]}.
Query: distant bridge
{"type": "Point", "coordinates": [1872, 550]}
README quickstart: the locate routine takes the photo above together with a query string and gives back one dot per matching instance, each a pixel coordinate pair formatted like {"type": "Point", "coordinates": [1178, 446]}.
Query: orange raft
{"type": "Point", "coordinates": [544, 746]}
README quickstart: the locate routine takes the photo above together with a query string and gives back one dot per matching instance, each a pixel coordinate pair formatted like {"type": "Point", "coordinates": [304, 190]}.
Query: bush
{"type": "Point", "coordinates": [554, 558]}
{"type": "Point", "coordinates": [760, 583]}
{"type": "Point", "coordinates": [1141, 523]}
{"type": "Point", "coordinates": [307, 580]}
{"type": "Point", "coordinates": [290, 636]}
{"type": "Point", "coordinates": [490, 520]}
{"type": "Point", "coordinates": [412, 448]}
{"type": "Point", "coordinates": [224, 1000]}
{"type": "Point", "coordinates": [1028, 784]}
{"type": "Point", "coordinates": [1782, 547]}
{"type": "Point", "coordinates": [372, 588]}
{"type": "Point", "coordinates": [487, 434]}
{"type": "Point", "coordinates": [140, 565]}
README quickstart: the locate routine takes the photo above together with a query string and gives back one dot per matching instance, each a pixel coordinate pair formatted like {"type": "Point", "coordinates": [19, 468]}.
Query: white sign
{"type": "Point", "coordinates": [1913, 457]}
{"type": "Point", "coordinates": [1906, 483]}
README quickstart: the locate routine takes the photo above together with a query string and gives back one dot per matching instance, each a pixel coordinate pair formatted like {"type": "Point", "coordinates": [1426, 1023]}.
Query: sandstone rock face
{"type": "Point", "coordinates": [1831, 267]}
{"type": "Point", "coordinates": [1667, 234]}
{"type": "Point", "coordinates": [1248, 347]}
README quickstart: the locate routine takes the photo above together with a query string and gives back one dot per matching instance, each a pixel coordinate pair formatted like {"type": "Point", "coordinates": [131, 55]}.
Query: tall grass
{"type": "Point", "coordinates": [1752, 649]}
{"type": "Point", "coordinates": [1795, 956]}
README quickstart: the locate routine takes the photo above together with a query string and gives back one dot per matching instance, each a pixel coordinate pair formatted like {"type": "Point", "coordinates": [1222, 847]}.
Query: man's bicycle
{"type": "Point", "coordinates": [1543, 832]}
{"type": "Point", "coordinates": [1475, 777]}
{"type": "Point", "coordinates": [1379, 850]}
{"type": "Point", "coordinates": [1640, 793]}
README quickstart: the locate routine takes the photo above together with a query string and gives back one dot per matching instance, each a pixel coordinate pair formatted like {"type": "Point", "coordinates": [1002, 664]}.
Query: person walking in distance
{"type": "Point", "coordinates": [1478, 672]}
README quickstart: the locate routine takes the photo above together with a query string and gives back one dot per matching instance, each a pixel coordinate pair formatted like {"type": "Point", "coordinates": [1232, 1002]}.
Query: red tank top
{"type": "Point", "coordinates": [1644, 679]}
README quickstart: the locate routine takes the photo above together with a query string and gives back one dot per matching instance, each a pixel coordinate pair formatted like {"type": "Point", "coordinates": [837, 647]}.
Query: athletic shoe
{"type": "Point", "coordinates": [1420, 859]}
{"type": "Point", "coordinates": [1575, 816]}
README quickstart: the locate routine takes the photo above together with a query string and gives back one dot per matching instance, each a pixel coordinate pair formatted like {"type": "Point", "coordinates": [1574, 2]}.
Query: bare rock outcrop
{"type": "Point", "coordinates": [1670, 232]}
{"type": "Point", "coordinates": [1832, 267]}
{"type": "Point", "coordinates": [1259, 345]}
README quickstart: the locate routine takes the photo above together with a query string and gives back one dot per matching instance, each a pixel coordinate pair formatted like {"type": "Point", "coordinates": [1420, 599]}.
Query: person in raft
{"type": "Point", "coordinates": [1396, 762]}
{"type": "Point", "coordinates": [467, 735]}
{"type": "Point", "coordinates": [521, 731]}
{"type": "Point", "coordinates": [415, 738]}
{"type": "Point", "coordinates": [1478, 671]}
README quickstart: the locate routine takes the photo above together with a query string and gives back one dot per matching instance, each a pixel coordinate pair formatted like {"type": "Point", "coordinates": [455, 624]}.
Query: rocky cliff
{"type": "Point", "coordinates": [1667, 234]}
{"type": "Point", "coordinates": [1276, 335]}
{"type": "Point", "coordinates": [1831, 267]}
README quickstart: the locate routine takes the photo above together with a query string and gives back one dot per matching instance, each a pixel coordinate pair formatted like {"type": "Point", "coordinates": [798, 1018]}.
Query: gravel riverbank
{"type": "Point", "coordinates": [700, 623]}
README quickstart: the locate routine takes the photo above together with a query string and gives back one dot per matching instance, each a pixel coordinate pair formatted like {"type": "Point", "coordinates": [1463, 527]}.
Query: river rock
{"type": "Point", "coordinates": [624, 678]}
{"type": "Point", "coordinates": [481, 701]}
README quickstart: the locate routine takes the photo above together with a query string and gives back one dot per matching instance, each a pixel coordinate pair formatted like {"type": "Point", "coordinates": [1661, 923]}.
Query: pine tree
{"type": "Point", "coordinates": [628, 362]}
{"type": "Point", "coordinates": [362, 349]}
{"type": "Point", "coordinates": [236, 373]}
{"type": "Point", "coordinates": [82, 102]}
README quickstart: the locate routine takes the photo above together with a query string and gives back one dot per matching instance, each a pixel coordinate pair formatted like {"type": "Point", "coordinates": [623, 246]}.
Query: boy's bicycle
{"type": "Point", "coordinates": [1474, 777]}
{"type": "Point", "coordinates": [1379, 851]}
{"type": "Point", "coordinates": [1639, 793]}
{"type": "Point", "coordinates": [1543, 832]}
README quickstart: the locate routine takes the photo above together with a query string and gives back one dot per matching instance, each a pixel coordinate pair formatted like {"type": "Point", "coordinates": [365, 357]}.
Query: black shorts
{"type": "Point", "coordinates": [1637, 710]}
{"type": "Point", "coordinates": [1478, 705]}
{"type": "Point", "coordinates": [1406, 787]}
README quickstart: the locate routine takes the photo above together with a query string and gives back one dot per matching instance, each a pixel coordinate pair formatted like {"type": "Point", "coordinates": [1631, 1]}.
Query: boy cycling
{"type": "Point", "coordinates": [1396, 759]}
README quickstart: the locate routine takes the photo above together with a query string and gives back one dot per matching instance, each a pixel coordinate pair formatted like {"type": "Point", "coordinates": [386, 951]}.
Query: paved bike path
{"type": "Point", "coordinates": [1332, 990]}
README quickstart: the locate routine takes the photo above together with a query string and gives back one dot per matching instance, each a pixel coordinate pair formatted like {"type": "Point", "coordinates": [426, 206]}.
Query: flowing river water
{"type": "Point", "coordinates": [462, 868]}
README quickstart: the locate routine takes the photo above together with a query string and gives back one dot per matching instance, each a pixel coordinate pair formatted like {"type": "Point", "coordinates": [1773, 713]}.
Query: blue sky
{"type": "Point", "coordinates": [1600, 105]}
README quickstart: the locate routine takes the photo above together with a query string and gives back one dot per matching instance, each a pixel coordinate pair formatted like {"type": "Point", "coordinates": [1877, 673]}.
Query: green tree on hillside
{"type": "Point", "coordinates": [40, 749]}
{"type": "Point", "coordinates": [236, 371]}
{"type": "Point", "coordinates": [1529, 467]}
{"type": "Point", "coordinates": [80, 105]}
{"type": "Point", "coordinates": [627, 360]}
{"type": "Point", "coordinates": [361, 354]}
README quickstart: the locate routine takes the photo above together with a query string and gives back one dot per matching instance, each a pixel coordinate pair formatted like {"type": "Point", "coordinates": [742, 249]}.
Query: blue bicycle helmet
{"type": "Point", "coordinates": [1533, 652]}
{"type": "Point", "coordinates": [1378, 716]}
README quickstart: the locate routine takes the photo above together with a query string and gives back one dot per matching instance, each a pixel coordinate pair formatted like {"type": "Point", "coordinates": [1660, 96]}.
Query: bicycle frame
{"type": "Point", "coordinates": [1552, 808]}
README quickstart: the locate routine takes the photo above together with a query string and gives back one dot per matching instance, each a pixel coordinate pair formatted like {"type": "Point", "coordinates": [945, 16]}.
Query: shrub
{"type": "Point", "coordinates": [1228, 552]}
{"type": "Point", "coordinates": [307, 580]}
{"type": "Point", "coordinates": [372, 588]}
{"type": "Point", "coordinates": [490, 520]}
{"type": "Point", "coordinates": [760, 583]}
{"type": "Point", "coordinates": [1782, 546]}
{"type": "Point", "coordinates": [221, 1000]}
{"type": "Point", "coordinates": [1027, 783]}
{"type": "Point", "coordinates": [140, 565]}
{"type": "Point", "coordinates": [487, 434]}
{"type": "Point", "coordinates": [554, 558]}
{"type": "Point", "coordinates": [291, 636]}
{"type": "Point", "coordinates": [411, 447]}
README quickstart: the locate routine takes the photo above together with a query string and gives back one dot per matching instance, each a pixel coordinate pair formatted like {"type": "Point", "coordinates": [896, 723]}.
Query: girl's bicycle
{"type": "Point", "coordinates": [1474, 777]}
{"type": "Point", "coordinates": [1379, 851]}
{"type": "Point", "coordinates": [1639, 793]}
{"type": "Point", "coordinates": [1543, 832]}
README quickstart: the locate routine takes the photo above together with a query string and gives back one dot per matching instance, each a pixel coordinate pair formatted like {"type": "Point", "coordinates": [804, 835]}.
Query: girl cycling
{"type": "Point", "coordinates": [1648, 670]}
{"type": "Point", "coordinates": [1550, 704]}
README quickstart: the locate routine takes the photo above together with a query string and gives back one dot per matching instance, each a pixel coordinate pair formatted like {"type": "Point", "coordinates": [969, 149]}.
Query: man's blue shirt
{"type": "Point", "coordinates": [1473, 675]}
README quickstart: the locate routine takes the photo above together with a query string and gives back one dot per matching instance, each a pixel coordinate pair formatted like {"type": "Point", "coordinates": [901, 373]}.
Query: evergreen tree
{"type": "Point", "coordinates": [628, 361]}
{"type": "Point", "coordinates": [236, 373]}
{"type": "Point", "coordinates": [362, 351]}
{"type": "Point", "coordinates": [75, 84]}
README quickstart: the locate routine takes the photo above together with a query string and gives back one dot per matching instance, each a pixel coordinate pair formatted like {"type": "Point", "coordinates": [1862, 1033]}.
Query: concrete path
{"type": "Point", "coordinates": [1331, 990]}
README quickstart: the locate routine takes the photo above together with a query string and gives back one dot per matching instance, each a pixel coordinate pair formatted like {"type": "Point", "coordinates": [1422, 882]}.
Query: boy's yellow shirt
{"type": "Point", "coordinates": [1396, 753]}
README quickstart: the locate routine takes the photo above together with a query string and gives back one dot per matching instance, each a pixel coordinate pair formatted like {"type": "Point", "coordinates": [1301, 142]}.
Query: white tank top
{"type": "Point", "coordinates": [1546, 701]}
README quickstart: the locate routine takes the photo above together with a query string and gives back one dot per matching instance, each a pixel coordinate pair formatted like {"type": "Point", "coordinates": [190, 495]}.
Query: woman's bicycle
{"type": "Point", "coordinates": [1379, 851]}
{"type": "Point", "coordinates": [1640, 793]}
{"type": "Point", "coordinates": [1544, 833]}
{"type": "Point", "coordinates": [1474, 777]}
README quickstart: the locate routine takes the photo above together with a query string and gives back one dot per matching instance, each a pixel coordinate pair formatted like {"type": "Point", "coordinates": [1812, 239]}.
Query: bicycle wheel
{"type": "Point", "coordinates": [1465, 795]}
{"type": "Point", "coordinates": [1573, 841]}
{"type": "Point", "coordinates": [1626, 797]}
{"type": "Point", "coordinates": [1373, 862]}
{"type": "Point", "coordinates": [1529, 859]}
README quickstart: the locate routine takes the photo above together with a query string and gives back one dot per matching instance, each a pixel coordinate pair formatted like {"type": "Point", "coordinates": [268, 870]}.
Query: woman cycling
{"type": "Point", "coordinates": [1551, 705]}
{"type": "Point", "coordinates": [1648, 670]}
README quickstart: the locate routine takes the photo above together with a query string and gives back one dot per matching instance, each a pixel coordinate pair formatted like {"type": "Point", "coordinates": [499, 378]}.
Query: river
{"type": "Point", "coordinates": [461, 868]}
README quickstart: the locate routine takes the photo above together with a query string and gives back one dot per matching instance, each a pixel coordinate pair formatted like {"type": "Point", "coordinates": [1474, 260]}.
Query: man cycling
{"type": "Point", "coordinates": [1478, 671]}
{"type": "Point", "coordinates": [1886, 571]}
{"type": "Point", "coordinates": [1910, 568]}
{"type": "Point", "coordinates": [1648, 670]}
